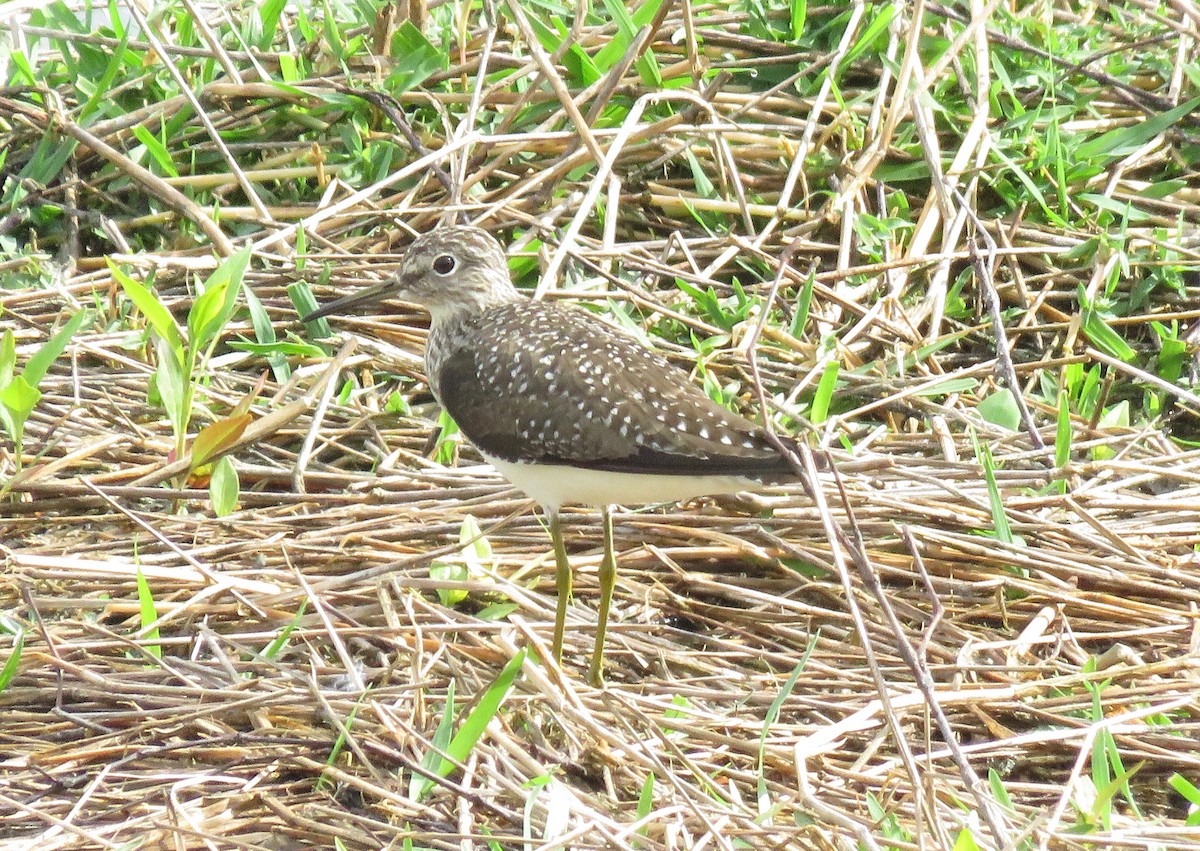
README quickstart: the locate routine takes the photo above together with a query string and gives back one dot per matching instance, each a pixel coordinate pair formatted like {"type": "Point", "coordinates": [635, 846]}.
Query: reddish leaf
{"type": "Point", "coordinates": [218, 437]}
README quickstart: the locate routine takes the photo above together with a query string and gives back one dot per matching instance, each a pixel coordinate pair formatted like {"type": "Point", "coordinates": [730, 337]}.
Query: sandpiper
{"type": "Point", "coordinates": [568, 408]}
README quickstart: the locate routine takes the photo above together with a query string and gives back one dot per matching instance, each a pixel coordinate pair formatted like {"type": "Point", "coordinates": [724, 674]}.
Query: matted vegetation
{"type": "Point", "coordinates": [256, 594]}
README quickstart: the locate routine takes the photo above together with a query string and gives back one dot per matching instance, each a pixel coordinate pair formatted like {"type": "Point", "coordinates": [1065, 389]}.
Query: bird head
{"type": "Point", "coordinates": [447, 271]}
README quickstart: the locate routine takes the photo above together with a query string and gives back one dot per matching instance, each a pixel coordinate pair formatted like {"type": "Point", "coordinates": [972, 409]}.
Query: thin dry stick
{"type": "Point", "coordinates": [1004, 362]}
{"type": "Point", "coordinates": [842, 543]}
{"type": "Point", "coordinates": [217, 582]}
{"type": "Point", "coordinates": [991, 812]}
{"type": "Point", "coordinates": [326, 396]}
{"type": "Point", "coordinates": [388, 105]}
{"type": "Point", "coordinates": [856, 547]}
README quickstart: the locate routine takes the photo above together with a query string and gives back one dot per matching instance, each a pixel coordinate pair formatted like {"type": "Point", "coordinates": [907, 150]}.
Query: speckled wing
{"type": "Point", "coordinates": [535, 383]}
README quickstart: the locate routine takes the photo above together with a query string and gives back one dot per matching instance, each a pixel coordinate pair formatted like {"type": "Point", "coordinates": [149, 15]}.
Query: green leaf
{"type": "Point", "coordinates": [472, 729]}
{"type": "Point", "coordinates": [803, 304]}
{"type": "Point", "coordinates": [874, 30]}
{"type": "Point", "coordinates": [1126, 140]}
{"type": "Point", "coordinates": [773, 715]}
{"type": "Point", "coordinates": [627, 30]}
{"type": "Point", "coordinates": [1000, 409]}
{"type": "Point", "coordinates": [216, 304]}
{"type": "Point", "coordinates": [1100, 333]}
{"type": "Point", "coordinates": [1033, 190]}
{"type": "Point", "coordinates": [26, 76]}
{"type": "Point", "coordinates": [799, 16]}
{"type": "Point", "coordinates": [459, 748]}
{"type": "Point", "coordinates": [157, 150]}
{"type": "Point", "coordinates": [1116, 416]}
{"type": "Point", "coordinates": [292, 347]}
{"type": "Point", "coordinates": [1162, 189]}
{"type": "Point", "coordinates": [268, 17]}
{"type": "Point", "coordinates": [416, 59]}
{"type": "Point", "coordinates": [305, 302]}
{"type": "Point", "coordinates": [824, 394]}
{"type": "Point", "coordinates": [965, 841]}
{"type": "Point", "coordinates": [224, 486]}
{"type": "Point", "coordinates": [279, 642]}
{"type": "Point", "coordinates": [8, 357]}
{"type": "Point", "coordinates": [19, 399]}
{"type": "Point", "coordinates": [35, 369]}
{"type": "Point", "coordinates": [397, 404]}
{"type": "Point", "coordinates": [1062, 438]}
{"type": "Point", "coordinates": [948, 386]}
{"type": "Point", "coordinates": [149, 614]}
{"type": "Point", "coordinates": [579, 65]}
{"type": "Point", "coordinates": [158, 317]}
{"type": "Point", "coordinates": [477, 549]}
{"type": "Point", "coordinates": [645, 803]}
{"type": "Point", "coordinates": [343, 732]}
{"type": "Point", "coordinates": [999, 517]}
{"type": "Point", "coordinates": [102, 86]}
{"type": "Point", "coordinates": [172, 381]}
{"type": "Point", "coordinates": [13, 663]}
{"type": "Point", "coordinates": [998, 791]}
{"type": "Point", "coordinates": [446, 446]}
{"type": "Point", "coordinates": [448, 571]}
{"type": "Point", "coordinates": [1190, 793]}
{"type": "Point", "coordinates": [496, 611]}
{"type": "Point", "coordinates": [894, 367]}
{"type": "Point", "coordinates": [1124, 209]}
{"type": "Point", "coordinates": [46, 163]}
{"type": "Point", "coordinates": [419, 785]}
{"type": "Point", "coordinates": [264, 332]}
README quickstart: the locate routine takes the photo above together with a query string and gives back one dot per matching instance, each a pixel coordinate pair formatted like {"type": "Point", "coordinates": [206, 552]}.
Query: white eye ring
{"type": "Point", "coordinates": [445, 264]}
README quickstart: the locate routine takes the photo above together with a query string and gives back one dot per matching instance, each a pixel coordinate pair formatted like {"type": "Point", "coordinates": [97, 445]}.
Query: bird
{"type": "Point", "coordinates": [568, 408]}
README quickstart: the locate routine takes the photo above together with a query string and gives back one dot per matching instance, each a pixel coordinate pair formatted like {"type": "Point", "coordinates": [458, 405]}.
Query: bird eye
{"type": "Point", "coordinates": [445, 264]}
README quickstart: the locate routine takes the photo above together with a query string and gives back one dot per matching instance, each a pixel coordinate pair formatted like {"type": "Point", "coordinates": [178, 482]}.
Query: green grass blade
{"type": "Point", "coordinates": [644, 806]}
{"type": "Point", "coordinates": [773, 715]}
{"type": "Point", "coordinates": [1062, 439]}
{"type": "Point", "coordinates": [824, 394]}
{"type": "Point", "coordinates": [279, 642]}
{"type": "Point", "coordinates": [1100, 333]}
{"type": "Point", "coordinates": [13, 663]}
{"type": "Point", "coordinates": [160, 319]}
{"type": "Point", "coordinates": [419, 785]}
{"type": "Point", "coordinates": [36, 367]}
{"type": "Point", "coordinates": [417, 59]}
{"type": "Point", "coordinates": [999, 518]}
{"type": "Point", "coordinates": [1126, 140]}
{"type": "Point", "coordinates": [459, 749]}
{"type": "Point", "coordinates": [216, 304]}
{"type": "Point", "coordinates": [157, 150]}
{"type": "Point", "coordinates": [340, 742]}
{"type": "Point", "coordinates": [1190, 793]}
{"type": "Point", "coordinates": [148, 613]}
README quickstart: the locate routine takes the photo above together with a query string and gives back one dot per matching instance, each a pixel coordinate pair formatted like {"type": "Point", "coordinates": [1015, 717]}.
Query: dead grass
{"type": "Point", "coordinates": [1054, 660]}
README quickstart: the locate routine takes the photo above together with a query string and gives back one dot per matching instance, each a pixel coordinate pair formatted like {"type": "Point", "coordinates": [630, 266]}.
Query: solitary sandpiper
{"type": "Point", "coordinates": [568, 408]}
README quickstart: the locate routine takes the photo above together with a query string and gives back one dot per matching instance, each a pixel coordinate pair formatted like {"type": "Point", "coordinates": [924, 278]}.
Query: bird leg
{"type": "Point", "coordinates": [562, 579]}
{"type": "Point", "coordinates": [608, 580]}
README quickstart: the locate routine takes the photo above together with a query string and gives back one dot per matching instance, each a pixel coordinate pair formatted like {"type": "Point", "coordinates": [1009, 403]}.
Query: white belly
{"type": "Point", "coordinates": [555, 485]}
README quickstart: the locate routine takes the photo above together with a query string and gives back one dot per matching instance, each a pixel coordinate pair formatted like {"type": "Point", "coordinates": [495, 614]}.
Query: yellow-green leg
{"type": "Point", "coordinates": [608, 581]}
{"type": "Point", "coordinates": [562, 578]}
